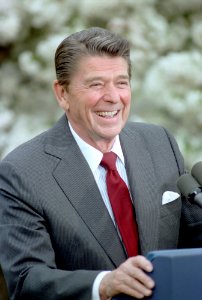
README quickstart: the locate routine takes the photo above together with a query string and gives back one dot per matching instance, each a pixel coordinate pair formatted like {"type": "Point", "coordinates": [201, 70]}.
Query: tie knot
{"type": "Point", "coordinates": [109, 161]}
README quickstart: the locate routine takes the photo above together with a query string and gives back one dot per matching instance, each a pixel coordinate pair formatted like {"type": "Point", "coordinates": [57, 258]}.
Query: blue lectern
{"type": "Point", "coordinates": [177, 274]}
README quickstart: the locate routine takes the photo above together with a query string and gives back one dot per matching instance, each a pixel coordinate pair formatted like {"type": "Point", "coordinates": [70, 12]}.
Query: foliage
{"type": "Point", "coordinates": [166, 40]}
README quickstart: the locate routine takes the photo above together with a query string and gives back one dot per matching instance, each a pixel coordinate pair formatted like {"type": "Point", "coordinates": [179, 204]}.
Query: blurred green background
{"type": "Point", "coordinates": [166, 40]}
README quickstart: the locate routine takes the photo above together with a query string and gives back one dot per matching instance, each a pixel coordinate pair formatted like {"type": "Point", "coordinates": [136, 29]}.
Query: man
{"type": "Point", "coordinates": [59, 238]}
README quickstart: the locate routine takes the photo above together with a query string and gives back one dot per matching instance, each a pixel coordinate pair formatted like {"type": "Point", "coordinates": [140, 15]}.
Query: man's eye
{"type": "Point", "coordinates": [123, 83]}
{"type": "Point", "coordinates": [96, 84]}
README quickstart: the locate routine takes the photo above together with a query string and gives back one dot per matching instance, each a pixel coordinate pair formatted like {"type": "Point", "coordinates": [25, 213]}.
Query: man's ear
{"type": "Point", "coordinates": [61, 95]}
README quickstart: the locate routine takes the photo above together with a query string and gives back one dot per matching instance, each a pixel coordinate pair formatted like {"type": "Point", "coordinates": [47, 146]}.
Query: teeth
{"type": "Point", "coordinates": [107, 113]}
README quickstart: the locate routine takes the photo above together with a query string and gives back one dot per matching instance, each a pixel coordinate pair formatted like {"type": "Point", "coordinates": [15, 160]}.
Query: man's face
{"type": "Point", "coordinates": [97, 101]}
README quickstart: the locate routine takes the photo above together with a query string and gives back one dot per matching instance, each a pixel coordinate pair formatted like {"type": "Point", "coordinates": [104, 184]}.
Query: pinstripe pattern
{"type": "Point", "coordinates": [60, 223]}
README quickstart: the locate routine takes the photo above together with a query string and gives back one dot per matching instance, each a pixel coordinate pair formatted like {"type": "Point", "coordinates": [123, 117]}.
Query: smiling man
{"type": "Point", "coordinates": [97, 99]}
{"type": "Point", "coordinates": [61, 234]}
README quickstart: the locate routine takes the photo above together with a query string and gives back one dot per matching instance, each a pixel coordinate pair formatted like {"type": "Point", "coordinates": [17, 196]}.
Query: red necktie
{"type": "Point", "coordinates": [121, 204]}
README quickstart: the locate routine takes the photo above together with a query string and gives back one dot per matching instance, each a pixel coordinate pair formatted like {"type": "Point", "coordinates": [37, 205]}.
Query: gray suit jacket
{"type": "Point", "coordinates": [55, 231]}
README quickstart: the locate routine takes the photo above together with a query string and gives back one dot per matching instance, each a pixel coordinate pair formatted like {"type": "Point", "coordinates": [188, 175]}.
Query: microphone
{"type": "Point", "coordinates": [190, 188]}
{"type": "Point", "coordinates": [197, 172]}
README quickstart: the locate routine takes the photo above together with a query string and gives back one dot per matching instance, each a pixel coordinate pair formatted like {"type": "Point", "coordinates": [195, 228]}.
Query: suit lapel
{"type": "Point", "coordinates": [143, 186]}
{"type": "Point", "coordinates": [75, 178]}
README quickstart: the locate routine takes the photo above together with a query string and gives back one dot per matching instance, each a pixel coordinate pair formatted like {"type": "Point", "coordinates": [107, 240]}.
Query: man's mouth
{"type": "Point", "coordinates": [108, 114]}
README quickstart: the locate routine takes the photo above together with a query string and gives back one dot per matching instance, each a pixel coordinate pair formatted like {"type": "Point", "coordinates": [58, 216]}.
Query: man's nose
{"type": "Point", "coordinates": [111, 93]}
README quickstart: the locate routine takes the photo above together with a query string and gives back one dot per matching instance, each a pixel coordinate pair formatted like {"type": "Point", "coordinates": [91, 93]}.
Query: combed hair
{"type": "Point", "coordinates": [89, 42]}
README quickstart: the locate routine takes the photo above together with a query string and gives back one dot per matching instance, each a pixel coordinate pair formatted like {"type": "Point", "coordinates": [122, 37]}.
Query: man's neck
{"type": "Point", "coordinates": [103, 145]}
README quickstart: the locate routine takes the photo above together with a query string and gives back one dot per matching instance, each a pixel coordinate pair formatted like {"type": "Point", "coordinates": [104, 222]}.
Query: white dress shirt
{"type": "Point", "coordinates": [93, 158]}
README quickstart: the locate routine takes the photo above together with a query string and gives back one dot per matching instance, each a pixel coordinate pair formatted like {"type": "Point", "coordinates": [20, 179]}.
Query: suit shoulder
{"type": "Point", "coordinates": [155, 137]}
{"type": "Point", "coordinates": [143, 127]}
{"type": "Point", "coordinates": [33, 150]}
{"type": "Point", "coordinates": [149, 132]}
{"type": "Point", "coordinates": [27, 150]}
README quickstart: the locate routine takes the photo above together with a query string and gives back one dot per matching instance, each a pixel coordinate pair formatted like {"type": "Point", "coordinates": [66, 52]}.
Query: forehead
{"type": "Point", "coordinates": [102, 65]}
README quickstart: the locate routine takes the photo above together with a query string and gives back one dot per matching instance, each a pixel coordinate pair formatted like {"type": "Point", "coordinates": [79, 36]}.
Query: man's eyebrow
{"type": "Point", "coordinates": [90, 79]}
{"type": "Point", "coordinates": [93, 78]}
{"type": "Point", "coordinates": [123, 77]}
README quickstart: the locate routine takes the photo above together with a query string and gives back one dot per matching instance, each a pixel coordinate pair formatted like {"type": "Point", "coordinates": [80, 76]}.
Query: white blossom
{"type": "Point", "coordinates": [196, 30]}
{"type": "Point", "coordinates": [29, 64]}
{"type": "Point", "coordinates": [10, 25]}
{"type": "Point", "coordinates": [46, 12]}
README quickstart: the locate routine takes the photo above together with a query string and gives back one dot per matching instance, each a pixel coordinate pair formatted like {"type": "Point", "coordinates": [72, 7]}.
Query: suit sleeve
{"type": "Point", "coordinates": [26, 253]}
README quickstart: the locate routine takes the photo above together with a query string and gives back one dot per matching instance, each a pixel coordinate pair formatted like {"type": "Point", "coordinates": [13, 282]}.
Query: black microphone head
{"type": "Point", "coordinates": [196, 172]}
{"type": "Point", "coordinates": [188, 185]}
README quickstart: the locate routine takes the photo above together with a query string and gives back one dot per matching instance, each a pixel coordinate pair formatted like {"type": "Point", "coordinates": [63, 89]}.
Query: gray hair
{"type": "Point", "coordinates": [88, 42]}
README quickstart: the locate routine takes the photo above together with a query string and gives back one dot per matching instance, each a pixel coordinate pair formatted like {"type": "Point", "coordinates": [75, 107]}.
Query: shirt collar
{"type": "Point", "coordinates": [94, 156]}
